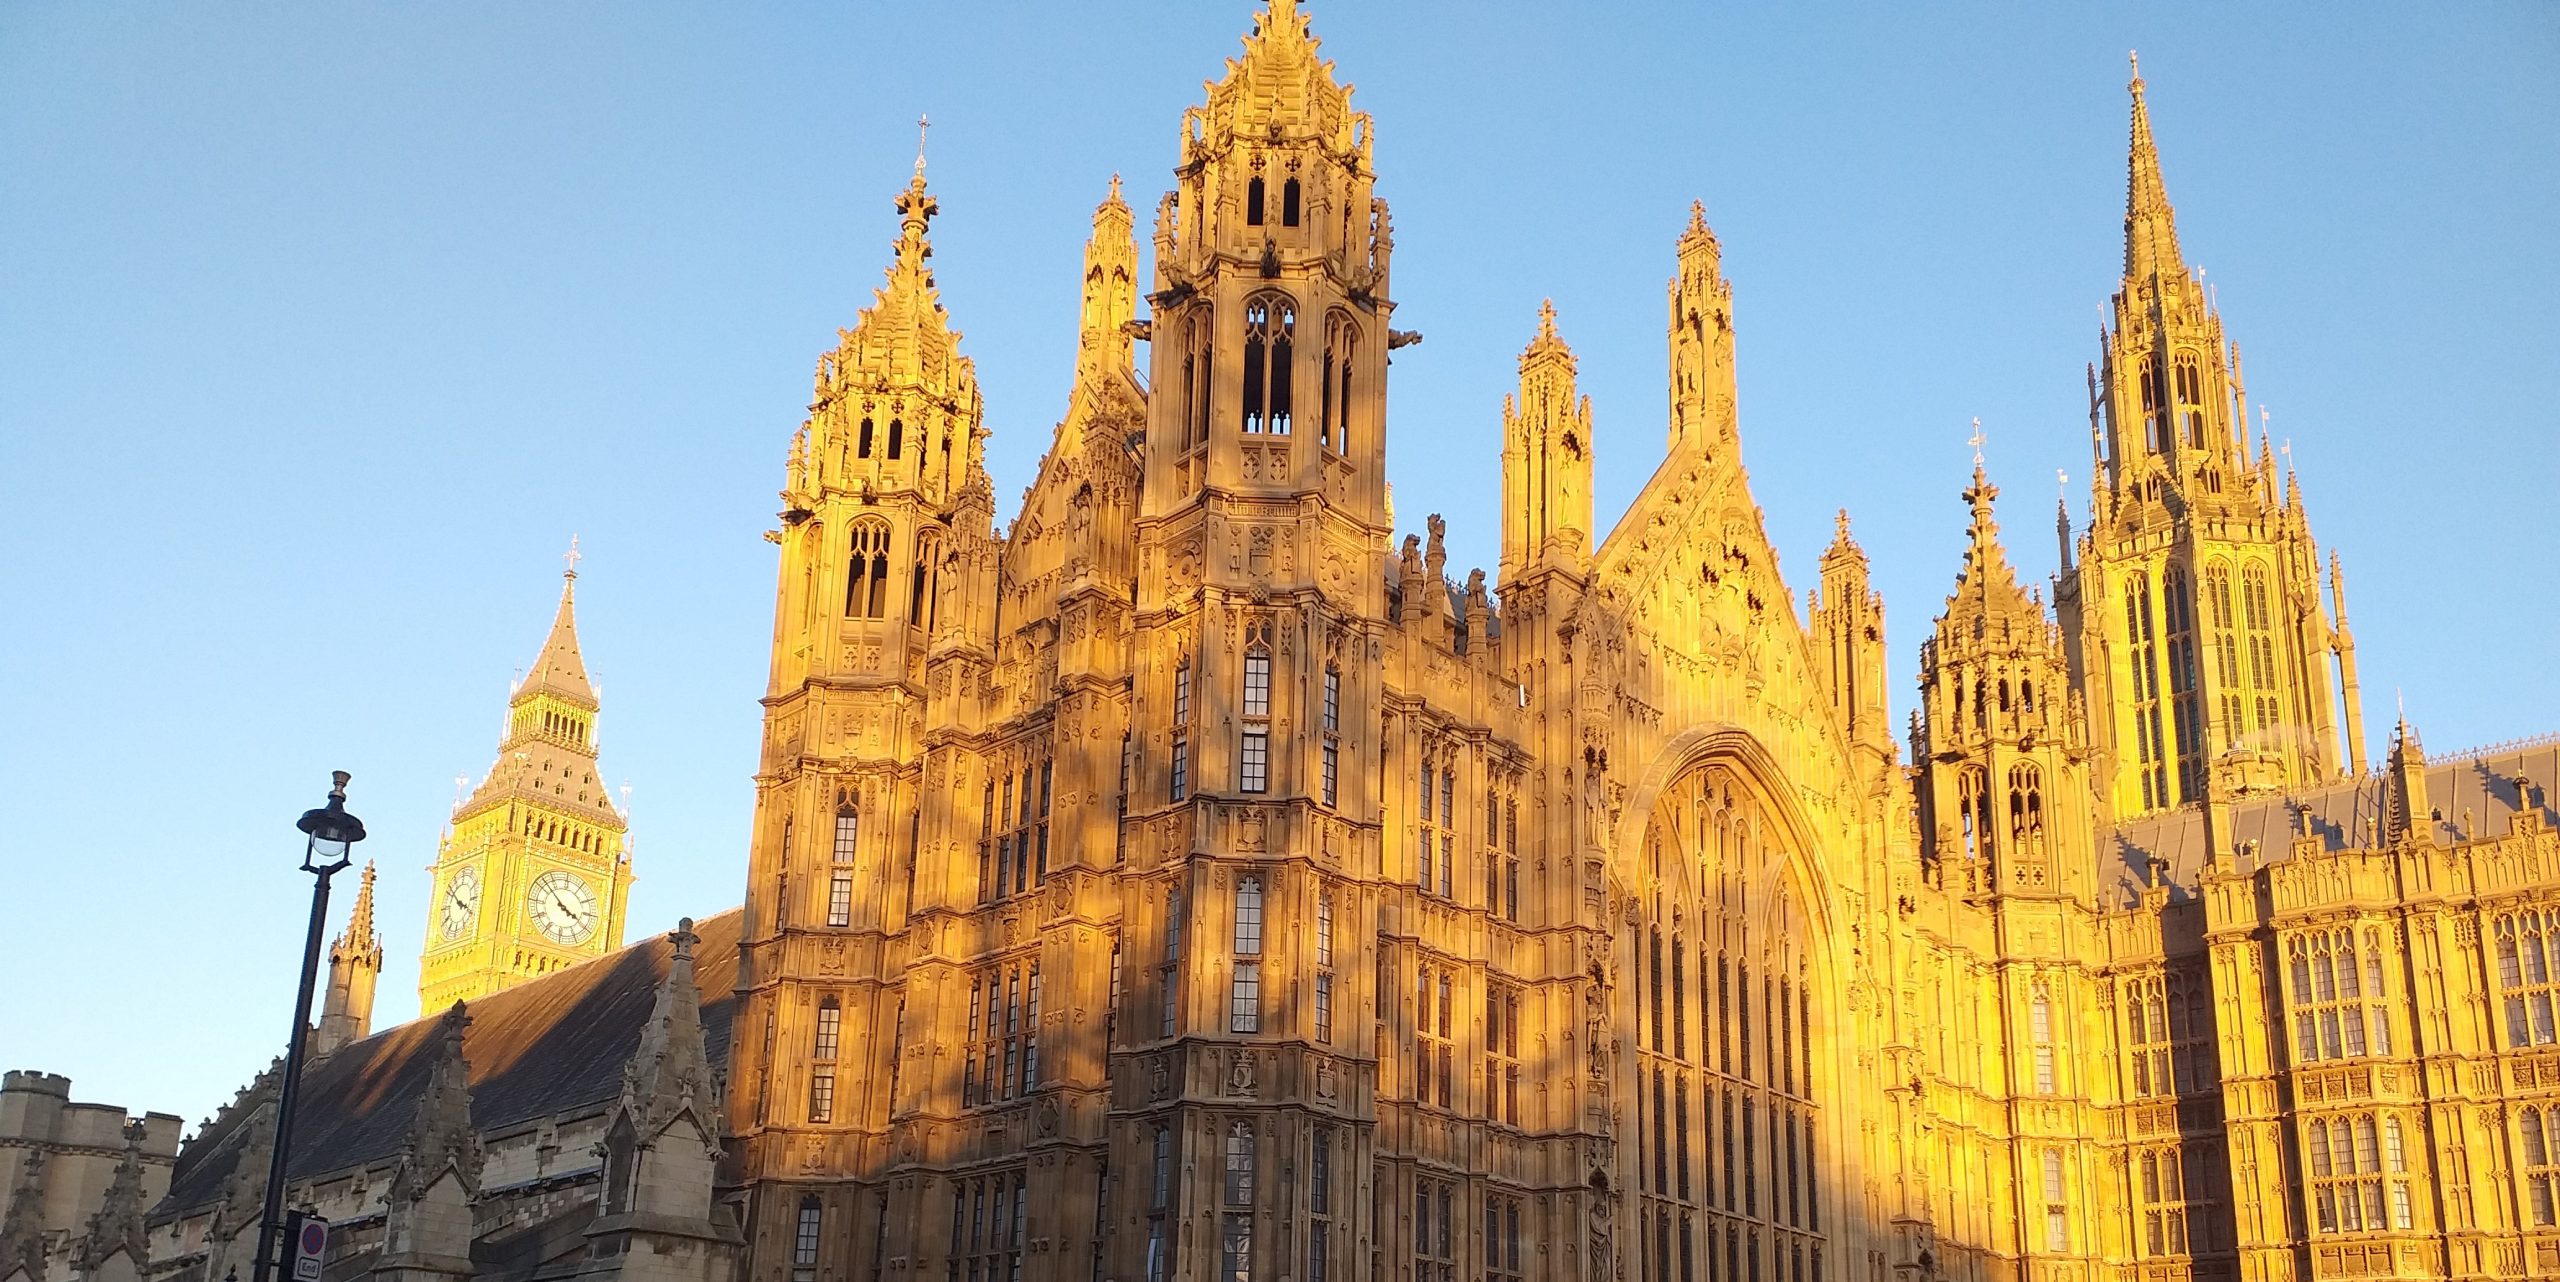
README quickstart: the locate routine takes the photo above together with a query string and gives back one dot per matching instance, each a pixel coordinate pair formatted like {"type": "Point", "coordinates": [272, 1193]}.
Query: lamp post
{"type": "Point", "coordinates": [333, 834]}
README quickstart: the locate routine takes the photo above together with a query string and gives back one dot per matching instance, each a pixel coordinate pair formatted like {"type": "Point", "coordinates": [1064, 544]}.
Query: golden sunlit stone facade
{"type": "Point", "coordinates": [534, 874]}
{"type": "Point", "coordinates": [1196, 881]}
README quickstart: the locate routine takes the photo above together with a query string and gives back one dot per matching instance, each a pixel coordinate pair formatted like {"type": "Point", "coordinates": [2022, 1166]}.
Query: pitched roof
{"type": "Point", "coordinates": [2479, 785]}
{"type": "Point", "coordinates": [552, 1047]}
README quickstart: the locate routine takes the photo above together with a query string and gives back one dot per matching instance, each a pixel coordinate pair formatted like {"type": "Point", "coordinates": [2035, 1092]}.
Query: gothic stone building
{"type": "Point", "coordinates": [1197, 881]}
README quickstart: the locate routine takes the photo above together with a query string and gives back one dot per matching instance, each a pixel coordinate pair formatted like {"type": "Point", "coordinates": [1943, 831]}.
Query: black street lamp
{"type": "Point", "coordinates": [333, 833]}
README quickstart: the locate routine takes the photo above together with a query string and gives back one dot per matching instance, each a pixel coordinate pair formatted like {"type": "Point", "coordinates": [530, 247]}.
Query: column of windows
{"type": "Point", "coordinates": [1434, 1051]}
{"type": "Point", "coordinates": [1320, 1205]}
{"type": "Point", "coordinates": [2168, 1041]}
{"type": "Point", "coordinates": [822, 1077]}
{"type": "Point", "coordinates": [1244, 993]}
{"type": "Point", "coordinates": [1341, 343]}
{"type": "Point", "coordinates": [2186, 707]}
{"type": "Point", "coordinates": [1324, 967]}
{"type": "Point", "coordinates": [2162, 1211]}
{"type": "Point", "coordinates": [1332, 729]}
{"type": "Point", "coordinates": [1159, 1199]}
{"type": "Point", "coordinates": [1003, 1046]}
{"type": "Point", "coordinates": [2350, 1158]}
{"type": "Point", "coordinates": [1235, 1235]}
{"type": "Point", "coordinates": [2257, 611]}
{"type": "Point", "coordinates": [2226, 649]}
{"type": "Point", "coordinates": [1169, 977]}
{"type": "Point", "coordinates": [1253, 755]}
{"type": "Point", "coordinates": [2057, 1210]}
{"type": "Point", "coordinates": [1270, 334]}
{"type": "Point", "coordinates": [1182, 728]}
{"type": "Point", "coordinates": [840, 872]}
{"type": "Point", "coordinates": [1502, 1053]}
{"type": "Point", "coordinates": [1502, 849]}
{"type": "Point", "coordinates": [1437, 859]}
{"type": "Point", "coordinates": [2149, 746]}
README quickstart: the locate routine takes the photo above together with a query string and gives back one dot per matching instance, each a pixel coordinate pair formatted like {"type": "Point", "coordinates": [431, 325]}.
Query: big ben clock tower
{"type": "Point", "coordinates": [534, 873]}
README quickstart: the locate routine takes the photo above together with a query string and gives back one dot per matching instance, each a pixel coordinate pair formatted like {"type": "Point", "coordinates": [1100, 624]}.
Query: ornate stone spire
{"type": "Point", "coordinates": [1702, 390]}
{"type": "Point", "coordinates": [442, 1140]}
{"type": "Point", "coordinates": [1987, 576]}
{"type": "Point", "coordinates": [1546, 459]}
{"type": "Point", "coordinates": [118, 1226]}
{"type": "Point", "coordinates": [22, 1232]}
{"type": "Point", "coordinates": [1110, 299]}
{"type": "Point", "coordinates": [670, 1073]}
{"type": "Point", "coordinates": [2150, 226]}
{"type": "Point", "coordinates": [559, 670]}
{"type": "Point", "coordinates": [355, 962]}
{"type": "Point", "coordinates": [1280, 88]}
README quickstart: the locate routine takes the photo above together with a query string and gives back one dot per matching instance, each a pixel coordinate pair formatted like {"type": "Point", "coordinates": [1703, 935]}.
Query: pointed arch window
{"type": "Point", "coordinates": [2040, 1035]}
{"type": "Point", "coordinates": [1197, 360]}
{"type": "Point", "coordinates": [1253, 202]}
{"type": "Point", "coordinates": [2190, 388]}
{"type": "Point", "coordinates": [897, 436]}
{"type": "Point", "coordinates": [1973, 811]}
{"type": "Point", "coordinates": [862, 440]}
{"type": "Point", "coordinates": [2150, 746]}
{"type": "Point", "coordinates": [1341, 341]}
{"type": "Point", "coordinates": [1289, 203]}
{"type": "Point", "coordinates": [2186, 697]}
{"type": "Point", "coordinates": [2258, 613]}
{"type": "Point", "coordinates": [2226, 648]}
{"type": "Point", "coordinates": [2151, 433]}
{"type": "Point", "coordinates": [924, 599]}
{"type": "Point", "coordinates": [1270, 336]}
{"type": "Point", "coordinates": [866, 579]}
{"type": "Point", "coordinates": [2026, 811]}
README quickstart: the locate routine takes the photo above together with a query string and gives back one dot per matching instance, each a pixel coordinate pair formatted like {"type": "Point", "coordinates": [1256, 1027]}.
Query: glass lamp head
{"type": "Point", "coordinates": [332, 830]}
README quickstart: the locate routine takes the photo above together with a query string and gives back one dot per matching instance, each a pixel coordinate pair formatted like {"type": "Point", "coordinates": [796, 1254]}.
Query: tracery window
{"type": "Point", "coordinates": [2258, 612]}
{"type": "Point", "coordinates": [1270, 336]}
{"type": "Point", "coordinates": [1244, 994]}
{"type": "Point", "coordinates": [2528, 942]}
{"type": "Point", "coordinates": [866, 579]}
{"type": "Point", "coordinates": [2026, 813]}
{"type": "Point", "coordinates": [1502, 1238]}
{"type": "Point", "coordinates": [1003, 1049]}
{"type": "Point", "coordinates": [2190, 391]}
{"type": "Point", "coordinates": [1013, 840]}
{"type": "Point", "coordinates": [1436, 867]}
{"type": "Point", "coordinates": [1341, 342]}
{"type": "Point", "coordinates": [2161, 1202]}
{"type": "Point", "coordinates": [2186, 706]}
{"type": "Point", "coordinates": [1973, 811]}
{"type": "Point", "coordinates": [2346, 1174]}
{"type": "Point", "coordinates": [2150, 746]}
{"type": "Point", "coordinates": [804, 1240]}
{"type": "Point", "coordinates": [2336, 994]}
{"type": "Point", "coordinates": [2226, 648]}
{"type": "Point", "coordinates": [1502, 1053]}
{"type": "Point", "coordinates": [1502, 851]}
{"type": "Point", "coordinates": [1435, 1049]}
{"type": "Point", "coordinates": [989, 1214]}
{"type": "Point", "coordinates": [1435, 1231]}
{"type": "Point", "coordinates": [822, 1078]}
{"type": "Point", "coordinates": [1197, 364]}
{"type": "Point", "coordinates": [2539, 1129]}
{"type": "Point", "coordinates": [2168, 1038]}
{"type": "Point", "coordinates": [2152, 436]}
{"type": "Point", "coordinates": [924, 602]}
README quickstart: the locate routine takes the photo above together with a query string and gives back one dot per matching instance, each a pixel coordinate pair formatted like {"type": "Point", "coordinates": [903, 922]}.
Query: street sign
{"type": "Point", "coordinates": [310, 1245]}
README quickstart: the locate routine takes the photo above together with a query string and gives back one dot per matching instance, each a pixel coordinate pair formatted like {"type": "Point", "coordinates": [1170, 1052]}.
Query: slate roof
{"type": "Point", "coordinates": [2482, 785]}
{"type": "Point", "coordinates": [551, 1047]}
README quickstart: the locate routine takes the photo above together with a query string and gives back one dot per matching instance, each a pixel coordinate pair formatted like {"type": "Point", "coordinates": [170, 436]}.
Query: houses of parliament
{"type": "Point", "coordinates": [1195, 879]}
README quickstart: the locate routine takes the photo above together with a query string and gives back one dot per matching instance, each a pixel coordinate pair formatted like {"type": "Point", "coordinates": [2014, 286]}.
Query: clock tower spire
{"type": "Point", "coordinates": [534, 873]}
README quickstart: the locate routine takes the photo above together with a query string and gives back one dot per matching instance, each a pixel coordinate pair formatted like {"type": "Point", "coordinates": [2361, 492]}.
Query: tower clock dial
{"type": "Point", "coordinates": [562, 907]}
{"type": "Point", "coordinates": [460, 905]}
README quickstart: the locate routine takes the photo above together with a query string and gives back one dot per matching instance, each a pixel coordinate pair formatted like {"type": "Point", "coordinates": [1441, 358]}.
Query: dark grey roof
{"type": "Point", "coordinates": [2345, 815]}
{"type": "Point", "coordinates": [551, 1047]}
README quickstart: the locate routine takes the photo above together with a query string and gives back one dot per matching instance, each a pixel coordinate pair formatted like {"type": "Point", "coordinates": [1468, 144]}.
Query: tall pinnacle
{"type": "Point", "coordinates": [560, 669]}
{"type": "Point", "coordinates": [2150, 226]}
{"type": "Point", "coordinates": [670, 1070]}
{"type": "Point", "coordinates": [359, 938]}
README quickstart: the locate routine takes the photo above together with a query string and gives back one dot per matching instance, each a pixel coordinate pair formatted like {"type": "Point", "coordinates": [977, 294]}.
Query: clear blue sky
{"type": "Point", "coordinates": [322, 327]}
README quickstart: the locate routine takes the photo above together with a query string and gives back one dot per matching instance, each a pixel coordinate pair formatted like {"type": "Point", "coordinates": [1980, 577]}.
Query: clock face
{"type": "Point", "coordinates": [563, 908]}
{"type": "Point", "coordinates": [460, 905]}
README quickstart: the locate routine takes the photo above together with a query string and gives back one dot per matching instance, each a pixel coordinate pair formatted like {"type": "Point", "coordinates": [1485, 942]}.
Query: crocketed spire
{"type": "Point", "coordinates": [359, 941]}
{"type": "Point", "coordinates": [560, 670]}
{"type": "Point", "coordinates": [904, 341]}
{"type": "Point", "coordinates": [2150, 226]}
{"type": "Point", "coordinates": [670, 1071]}
{"type": "Point", "coordinates": [1280, 89]}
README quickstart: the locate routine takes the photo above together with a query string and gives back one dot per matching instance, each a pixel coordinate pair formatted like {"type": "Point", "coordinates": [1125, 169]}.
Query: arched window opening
{"type": "Point", "coordinates": [1289, 203]}
{"type": "Point", "coordinates": [897, 436]}
{"type": "Point", "coordinates": [862, 441]}
{"type": "Point", "coordinates": [924, 600]}
{"type": "Point", "coordinates": [866, 580]}
{"type": "Point", "coordinates": [1973, 808]}
{"type": "Point", "coordinates": [2040, 1034]}
{"type": "Point", "coordinates": [2026, 696]}
{"type": "Point", "coordinates": [2004, 694]}
{"type": "Point", "coordinates": [1270, 332]}
{"type": "Point", "coordinates": [2026, 811]}
{"type": "Point", "coordinates": [2151, 434]}
{"type": "Point", "coordinates": [1198, 358]}
{"type": "Point", "coordinates": [1253, 202]}
{"type": "Point", "coordinates": [2191, 401]}
{"type": "Point", "coordinates": [1341, 336]}
{"type": "Point", "coordinates": [2151, 746]}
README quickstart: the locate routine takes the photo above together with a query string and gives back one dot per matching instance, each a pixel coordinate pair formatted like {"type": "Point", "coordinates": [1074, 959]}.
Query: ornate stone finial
{"type": "Point", "coordinates": [1697, 217]}
{"type": "Point", "coordinates": [119, 1223]}
{"type": "Point", "coordinates": [1547, 319]}
{"type": "Point", "coordinates": [1115, 188]}
{"type": "Point", "coordinates": [22, 1245]}
{"type": "Point", "coordinates": [441, 1139]}
{"type": "Point", "coordinates": [669, 1071]}
{"type": "Point", "coordinates": [1840, 525]}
